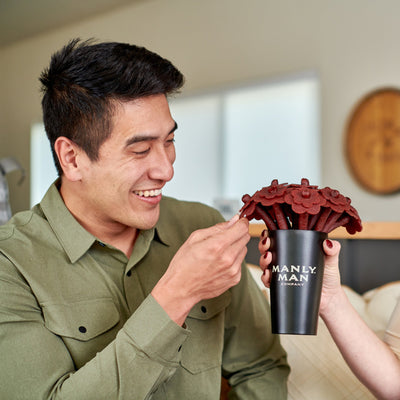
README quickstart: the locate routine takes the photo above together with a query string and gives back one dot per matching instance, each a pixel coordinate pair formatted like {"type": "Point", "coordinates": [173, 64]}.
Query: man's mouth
{"type": "Point", "coordinates": [148, 193]}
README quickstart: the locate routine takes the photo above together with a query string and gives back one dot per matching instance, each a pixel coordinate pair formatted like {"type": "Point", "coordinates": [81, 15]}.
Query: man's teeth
{"type": "Point", "coordinates": [148, 193]}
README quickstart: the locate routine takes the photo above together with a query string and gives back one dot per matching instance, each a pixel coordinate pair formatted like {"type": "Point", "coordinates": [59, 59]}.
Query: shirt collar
{"type": "Point", "coordinates": [74, 239]}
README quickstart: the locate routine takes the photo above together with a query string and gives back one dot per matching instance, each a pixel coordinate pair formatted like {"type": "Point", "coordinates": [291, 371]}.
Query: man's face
{"type": "Point", "coordinates": [123, 187]}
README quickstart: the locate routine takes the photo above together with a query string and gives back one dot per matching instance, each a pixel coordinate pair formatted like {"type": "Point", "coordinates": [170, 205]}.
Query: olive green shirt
{"type": "Point", "coordinates": [77, 320]}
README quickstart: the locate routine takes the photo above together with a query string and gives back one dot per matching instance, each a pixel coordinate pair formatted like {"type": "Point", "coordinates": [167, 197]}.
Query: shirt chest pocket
{"type": "Point", "coordinates": [203, 348]}
{"type": "Point", "coordinates": [81, 320]}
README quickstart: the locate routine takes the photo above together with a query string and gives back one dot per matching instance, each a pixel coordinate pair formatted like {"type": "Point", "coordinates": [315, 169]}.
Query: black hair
{"type": "Point", "coordinates": [85, 81]}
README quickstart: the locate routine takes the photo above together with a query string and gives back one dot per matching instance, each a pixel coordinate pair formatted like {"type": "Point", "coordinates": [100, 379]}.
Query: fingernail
{"type": "Point", "coordinates": [234, 219]}
{"type": "Point", "coordinates": [329, 243]}
{"type": "Point", "coordinates": [264, 233]}
{"type": "Point", "coordinates": [264, 241]}
{"type": "Point", "coordinates": [266, 254]}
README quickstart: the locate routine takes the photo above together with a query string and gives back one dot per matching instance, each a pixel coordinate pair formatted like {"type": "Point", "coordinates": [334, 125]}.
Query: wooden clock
{"type": "Point", "coordinates": [372, 143]}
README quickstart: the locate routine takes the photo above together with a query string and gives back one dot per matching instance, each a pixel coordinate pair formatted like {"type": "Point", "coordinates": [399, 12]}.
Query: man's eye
{"type": "Point", "coordinates": [170, 138]}
{"type": "Point", "coordinates": [141, 152]}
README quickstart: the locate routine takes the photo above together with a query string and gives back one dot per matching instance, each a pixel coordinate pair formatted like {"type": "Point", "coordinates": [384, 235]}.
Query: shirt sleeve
{"type": "Point", "coordinates": [35, 363]}
{"type": "Point", "coordinates": [392, 334]}
{"type": "Point", "coordinates": [253, 362]}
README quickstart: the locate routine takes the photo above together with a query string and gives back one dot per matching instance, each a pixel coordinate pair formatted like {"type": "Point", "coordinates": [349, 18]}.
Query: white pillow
{"type": "Point", "coordinates": [380, 303]}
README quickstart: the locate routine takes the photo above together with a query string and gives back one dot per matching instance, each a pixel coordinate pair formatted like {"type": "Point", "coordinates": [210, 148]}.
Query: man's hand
{"type": "Point", "coordinates": [331, 283]}
{"type": "Point", "coordinates": [207, 264]}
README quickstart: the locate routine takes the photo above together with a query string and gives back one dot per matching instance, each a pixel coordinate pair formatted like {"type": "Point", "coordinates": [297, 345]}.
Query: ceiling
{"type": "Point", "coordinates": [21, 19]}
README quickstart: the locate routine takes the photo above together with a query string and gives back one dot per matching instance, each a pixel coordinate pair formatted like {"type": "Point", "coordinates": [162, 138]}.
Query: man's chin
{"type": "Point", "coordinates": [147, 223]}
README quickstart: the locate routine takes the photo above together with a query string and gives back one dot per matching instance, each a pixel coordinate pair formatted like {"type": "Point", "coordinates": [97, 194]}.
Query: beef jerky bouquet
{"type": "Point", "coordinates": [304, 206]}
{"type": "Point", "coordinates": [299, 218]}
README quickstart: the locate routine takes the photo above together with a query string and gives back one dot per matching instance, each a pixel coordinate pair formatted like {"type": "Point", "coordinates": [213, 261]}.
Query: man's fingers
{"type": "Point", "coordinates": [229, 233]}
{"type": "Point", "coordinates": [235, 224]}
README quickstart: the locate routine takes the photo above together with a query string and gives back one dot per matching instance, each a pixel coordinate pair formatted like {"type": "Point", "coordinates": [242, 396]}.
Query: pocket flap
{"type": "Point", "coordinates": [82, 320]}
{"type": "Point", "coordinates": [205, 321]}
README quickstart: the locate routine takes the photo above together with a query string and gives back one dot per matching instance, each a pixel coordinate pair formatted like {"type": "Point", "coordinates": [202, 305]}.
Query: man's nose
{"type": "Point", "coordinates": [162, 167]}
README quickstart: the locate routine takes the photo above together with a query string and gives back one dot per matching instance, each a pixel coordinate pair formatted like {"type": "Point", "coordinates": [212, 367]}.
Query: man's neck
{"type": "Point", "coordinates": [118, 235]}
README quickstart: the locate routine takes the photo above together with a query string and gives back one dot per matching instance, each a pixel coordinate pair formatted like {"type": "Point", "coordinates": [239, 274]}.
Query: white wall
{"type": "Point", "coordinates": [351, 44]}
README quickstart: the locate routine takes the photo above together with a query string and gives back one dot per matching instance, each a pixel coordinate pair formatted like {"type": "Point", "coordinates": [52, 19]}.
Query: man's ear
{"type": "Point", "coordinates": [68, 154]}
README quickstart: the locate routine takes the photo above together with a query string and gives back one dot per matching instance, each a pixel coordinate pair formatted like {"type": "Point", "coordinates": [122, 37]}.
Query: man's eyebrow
{"type": "Point", "coordinates": [174, 128]}
{"type": "Point", "coordinates": [146, 138]}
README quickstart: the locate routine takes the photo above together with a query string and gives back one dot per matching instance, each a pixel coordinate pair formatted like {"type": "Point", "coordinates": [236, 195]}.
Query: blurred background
{"type": "Point", "coordinates": [270, 86]}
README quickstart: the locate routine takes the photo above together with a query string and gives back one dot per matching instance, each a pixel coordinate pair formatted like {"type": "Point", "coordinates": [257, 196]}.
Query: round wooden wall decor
{"type": "Point", "coordinates": [373, 141]}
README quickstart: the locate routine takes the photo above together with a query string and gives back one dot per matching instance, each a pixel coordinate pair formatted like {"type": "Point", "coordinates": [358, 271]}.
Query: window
{"type": "Point", "coordinates": [43, 171]}
{"type": "Point", "coordinates": [242, 138]}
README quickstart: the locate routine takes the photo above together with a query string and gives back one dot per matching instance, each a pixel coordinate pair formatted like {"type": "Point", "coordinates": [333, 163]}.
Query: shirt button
{"type": "Point", "coordinates": [203, 309]}
{"type": "Point", "coordinates": [82, 329]}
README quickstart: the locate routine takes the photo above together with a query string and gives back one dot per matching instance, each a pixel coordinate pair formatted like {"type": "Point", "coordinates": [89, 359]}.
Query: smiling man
{"type": "Point", "coordinates": [109, 290]}
{"type": "Point", "coordinates": [120, 192]}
